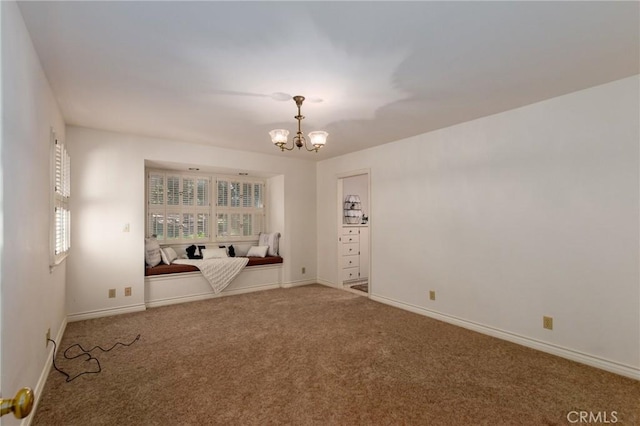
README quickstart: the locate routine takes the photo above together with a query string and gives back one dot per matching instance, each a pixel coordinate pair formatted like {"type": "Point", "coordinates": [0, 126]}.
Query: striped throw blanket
{"type": "Point", "coordinates": [219, 272]}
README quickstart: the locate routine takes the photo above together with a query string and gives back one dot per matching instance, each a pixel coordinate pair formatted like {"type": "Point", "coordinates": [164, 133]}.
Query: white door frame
{"type": "Point", "coordinates": [340, 213]}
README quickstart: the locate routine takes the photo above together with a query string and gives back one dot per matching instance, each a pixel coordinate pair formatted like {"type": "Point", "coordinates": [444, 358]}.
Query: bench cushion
{"type": "Point", "coordinates": [163, 269]}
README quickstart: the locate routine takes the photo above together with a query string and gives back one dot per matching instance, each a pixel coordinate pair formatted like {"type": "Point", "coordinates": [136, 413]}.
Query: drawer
{"type": "Point", "coordinates": [350, 239]}
{"type": "Point", "coordinates": [350, 249]}
{"type": "Point", "coordinates": [350, 274]}
{"type": "Point", "coordinates": [350, 231]}
{"type": "Point", "coordinates": [350, 261]}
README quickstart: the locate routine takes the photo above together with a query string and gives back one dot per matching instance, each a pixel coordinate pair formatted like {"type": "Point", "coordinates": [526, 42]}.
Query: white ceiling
{"type": "Point", "coordinates": [207, 72]}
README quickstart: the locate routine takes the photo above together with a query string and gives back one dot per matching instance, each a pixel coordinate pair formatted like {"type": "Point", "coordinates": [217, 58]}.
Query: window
{"type": "Point", "coordinates": [61, 193]}
{"type": "Point", "coordinates": [240, 208]}
{"type": "Point", "coordinates": [179, 209]}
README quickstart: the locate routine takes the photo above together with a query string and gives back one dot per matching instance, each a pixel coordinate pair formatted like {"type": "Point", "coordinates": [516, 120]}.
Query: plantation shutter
{"type": "Point", "coordinates": [240, 207]}
{"type": "Point", "coordinates": [61, 221]}
{"type": "Point", "coordinates": [178, 207]}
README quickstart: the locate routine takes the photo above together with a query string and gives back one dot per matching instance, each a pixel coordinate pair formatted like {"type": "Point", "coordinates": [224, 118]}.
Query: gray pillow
{"type": "Point", "coordinates": [272, 240]}
{"type": "Point", "coordinates": [152, 252]}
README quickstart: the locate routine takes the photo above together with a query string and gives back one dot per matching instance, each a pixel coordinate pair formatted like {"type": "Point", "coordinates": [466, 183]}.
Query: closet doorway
{"type": "Point", "coordinates": [354, 230]}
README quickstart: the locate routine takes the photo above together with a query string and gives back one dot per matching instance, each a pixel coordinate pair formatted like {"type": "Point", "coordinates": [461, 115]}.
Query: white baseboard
{"type": "Point", "coordinates": [328, 283]}
{"type": "Point", "coordinates": [298, 283]}
{"type": "Point", "coordinates": [44, 374]}
{"type": "Point", "coordinates": [205, 296]}
{"type": "Point", "coordinates": [573, 355]}
{"type": "Point", "coordinates": [99, 313]}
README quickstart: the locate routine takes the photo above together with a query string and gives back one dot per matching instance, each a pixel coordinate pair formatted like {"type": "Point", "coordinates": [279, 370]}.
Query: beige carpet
{"type": "Point", "coordinates": [316, 355]}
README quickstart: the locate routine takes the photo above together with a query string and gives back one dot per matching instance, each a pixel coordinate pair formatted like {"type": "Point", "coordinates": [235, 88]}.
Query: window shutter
{"type": "Point", "coordinates": [155, 223]}
{"type": "Point", "coordinates": [155, 186]}
{"type": "Point", "coordinates": [188, 192]}
{"type": "Point", "coordinates": [203, 225]}
{"type": "Point", "coordinates": [246, 194]}
{"type": "Point", "coordinates": [223, 193]}
{"type": "Point", "coordinates": [235, 194]}
{"type": "Point", "coordinates": [61, 221]}
{"type": "Point", "coordinates": [188, 226]}
{"type": "Point", "coordinates": [61, 230]}
{"type": "Point", "coordinates": [58, 168]}
{"type": "Point", "coordinates": [202, 193]}
{"type": "Point", "coordinates": [173, 226]}
{"type": "Point", "coordinates": [173, 190]}
{"type": "Point", "coordinates": [235, 225]}
{"type": "Point", "coordinates": [223, 224]}
{"type": "Point", "coordinates": [66, 174]}
{"type": "Point", "coordinates": [247, 224]}
{"type": "Point", "coordinates": [258, 191]}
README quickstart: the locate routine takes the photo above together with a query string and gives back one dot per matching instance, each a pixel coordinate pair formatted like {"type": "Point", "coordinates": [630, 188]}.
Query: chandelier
{"type": "Point", "coordinates": [316, 139]}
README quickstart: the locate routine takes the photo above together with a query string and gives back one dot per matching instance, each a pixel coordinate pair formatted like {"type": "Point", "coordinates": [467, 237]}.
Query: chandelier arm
{"type": "Point", "coordinates": [283, 147]}
{"type": "Point", "coordinates": [315, 149]}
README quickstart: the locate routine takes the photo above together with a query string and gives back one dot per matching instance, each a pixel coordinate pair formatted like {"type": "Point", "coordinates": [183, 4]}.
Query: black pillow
{"type": "Point", "coordinates": [191, 252]}
{"type": "Point", "coordinates": [230, 250]}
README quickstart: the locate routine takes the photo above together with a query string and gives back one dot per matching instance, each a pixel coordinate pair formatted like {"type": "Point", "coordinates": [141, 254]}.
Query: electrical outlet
{"type": "Point", "coordinates": [48, 337]}
{"type": "Point", "coordinates": [127, 291]}
{"type": "Point", "coordinates": [112, 293]}
{"type": "Point", "coordinates": [547, 322]}
{"type": "Point", "coordinates": [304, 270]}
{"type": "Point", "coordinates": [432, 295]}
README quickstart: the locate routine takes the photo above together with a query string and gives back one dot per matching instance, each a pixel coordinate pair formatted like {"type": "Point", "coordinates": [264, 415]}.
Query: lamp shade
{"type": "Point", "coordinates": [352, 199]}
{"type": "Point", "coordinates": [318, 139]}
{"type": "Point", "coordinates": [279, 136]}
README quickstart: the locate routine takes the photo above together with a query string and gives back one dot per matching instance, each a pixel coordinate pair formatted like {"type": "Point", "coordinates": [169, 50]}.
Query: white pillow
{"type": "Point", "coordinates": [258, 251]}
{"type": "Point", "coordinates": [168, 255]}
{"type": "Point", "coordinates": [152, 252]}
{"type": "Point", "coordinates": [214, 253]}
{"type": "Point", "coordinates": [163, 256]}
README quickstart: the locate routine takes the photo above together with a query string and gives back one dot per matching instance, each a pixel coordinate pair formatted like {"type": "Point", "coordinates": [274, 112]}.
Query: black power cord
{"type": "Point", "coordinates": [84, 353]}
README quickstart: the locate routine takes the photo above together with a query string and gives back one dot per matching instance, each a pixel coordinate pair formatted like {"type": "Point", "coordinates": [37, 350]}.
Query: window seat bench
{"type": "Point", "coordinates": [174, 268]}
{"type": "Point", "coordinates": [170, 284]}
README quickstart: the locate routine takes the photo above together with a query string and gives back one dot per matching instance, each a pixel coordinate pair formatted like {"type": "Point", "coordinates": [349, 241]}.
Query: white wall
{"type": "Point", "coordinates": [108, 192]}
{"type": "Point", "coordinates": [32, 297]}
{"type": "Point", "coordinates": [511, 217]}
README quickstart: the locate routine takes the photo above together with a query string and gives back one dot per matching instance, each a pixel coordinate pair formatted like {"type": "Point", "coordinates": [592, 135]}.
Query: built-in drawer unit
{"type": "Point", "coordinates": [351, 242]}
